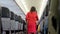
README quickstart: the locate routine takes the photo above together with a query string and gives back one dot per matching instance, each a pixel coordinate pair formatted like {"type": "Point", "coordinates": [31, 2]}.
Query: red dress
{"type": "Point", "coordinates": [31, 18]}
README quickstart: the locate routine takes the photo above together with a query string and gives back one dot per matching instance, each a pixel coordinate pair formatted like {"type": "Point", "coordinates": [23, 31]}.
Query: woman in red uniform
{"type": "Point", "coordinates": [31, 19]}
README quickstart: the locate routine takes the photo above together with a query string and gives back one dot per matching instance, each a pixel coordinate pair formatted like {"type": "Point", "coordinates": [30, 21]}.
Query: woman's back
{"type": "Point", "coordinates": [32, 16]}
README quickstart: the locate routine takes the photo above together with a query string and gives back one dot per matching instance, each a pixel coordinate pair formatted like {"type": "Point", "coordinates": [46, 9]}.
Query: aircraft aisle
{"type": "Point", "coordinates": [13, 16]}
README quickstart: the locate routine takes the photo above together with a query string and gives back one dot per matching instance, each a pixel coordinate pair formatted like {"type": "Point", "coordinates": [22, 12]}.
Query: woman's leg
{"type": "Point", "coordinates": [29, 32]}
{"type": "Point", "coordinates": [35, 33]}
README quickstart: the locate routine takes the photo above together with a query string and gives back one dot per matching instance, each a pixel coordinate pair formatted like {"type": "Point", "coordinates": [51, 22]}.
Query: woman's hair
{"type": "Point", "coordinates": [33, 9]}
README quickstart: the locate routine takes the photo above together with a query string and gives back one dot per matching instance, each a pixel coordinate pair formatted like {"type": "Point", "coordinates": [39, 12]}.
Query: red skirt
{"type": "Point", "coordinates": [31, 27]}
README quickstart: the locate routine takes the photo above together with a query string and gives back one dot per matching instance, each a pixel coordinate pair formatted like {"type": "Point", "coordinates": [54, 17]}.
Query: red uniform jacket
{"type": "Point", "coordinates": [31, 18]}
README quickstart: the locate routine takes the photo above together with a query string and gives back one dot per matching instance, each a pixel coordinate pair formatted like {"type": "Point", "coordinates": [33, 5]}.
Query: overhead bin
{"type": "Point", "coordinates": [5, 18]}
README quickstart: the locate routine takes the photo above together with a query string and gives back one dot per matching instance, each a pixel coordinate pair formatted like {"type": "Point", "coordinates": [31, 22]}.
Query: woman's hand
{"type": "Point", "coordinates": [36, 22]}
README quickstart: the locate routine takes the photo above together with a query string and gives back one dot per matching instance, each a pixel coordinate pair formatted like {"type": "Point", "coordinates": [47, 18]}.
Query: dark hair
{"type": "Point", "coordinates": [33, 9]}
